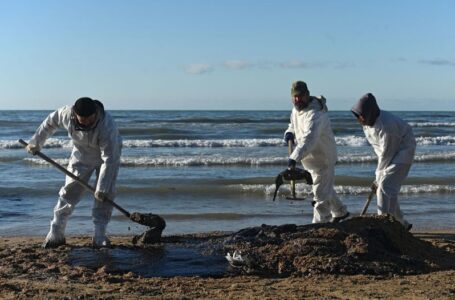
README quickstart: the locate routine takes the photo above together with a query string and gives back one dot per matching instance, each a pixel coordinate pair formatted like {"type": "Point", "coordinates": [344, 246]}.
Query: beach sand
{"type": "Point", "coordinates": [29, 272]}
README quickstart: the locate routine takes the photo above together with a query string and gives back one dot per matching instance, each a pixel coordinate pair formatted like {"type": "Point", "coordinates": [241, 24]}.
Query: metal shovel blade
{"type": "Point", "coordinates": [150, 220]}
{"type": "Point", "coordinates": [278, 182]}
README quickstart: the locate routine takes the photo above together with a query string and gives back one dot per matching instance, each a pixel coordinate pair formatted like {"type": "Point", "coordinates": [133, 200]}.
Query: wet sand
{"type": "Point", "coordinates": [27, 271]}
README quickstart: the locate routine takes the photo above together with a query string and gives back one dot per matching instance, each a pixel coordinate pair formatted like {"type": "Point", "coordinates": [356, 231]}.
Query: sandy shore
{"type": "Point", "coordinates": [27, 271]}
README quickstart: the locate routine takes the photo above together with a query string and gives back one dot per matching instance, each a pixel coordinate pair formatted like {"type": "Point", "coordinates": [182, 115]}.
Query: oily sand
{"type": "Point", "coordinates": [362, 258]}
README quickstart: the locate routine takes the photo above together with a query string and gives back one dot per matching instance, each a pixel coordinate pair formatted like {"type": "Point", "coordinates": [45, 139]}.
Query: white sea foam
{"type": "Point", "coordinates": [358, 141]}
{"type": "Point", "coordinates": [175, 161]}
{"type": "Point", "coordinates": [349, 141]}
{"type": "Point", "coordinates": [436, 156]}
{"type": "Point", "coordinates": [206, 160]}
{"type": "Point", "coordinates": [357, 158]}
{"type": "Point", "coordinates": [39, 161]}
{"type": "Point", "coordinates": [432, 124]}
{"type": "Point", "coordinates": [203, 143]}
{"type": "Point", "coordinates": [220, 160]}
{"type": "Point", "coordinates": [151, 143]}
{"type": "Point", "coordinates": [305, 190]}
{"type": "Point", "coordinates": [436, 140]}
{"type": "Point", "coordinates": [50, 143]}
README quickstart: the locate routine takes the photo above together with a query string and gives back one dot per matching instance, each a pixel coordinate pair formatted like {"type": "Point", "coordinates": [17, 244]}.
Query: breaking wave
{"type": "Point", "coordinates": [220, 160]}
{"type": "Point", "coordinates": [267, 189]}
{"type": "Point", "coordinates": [353, 190]}
{"type": "Point", "coordinates": [350, 141]}
{"type": "Point", "coordinates": [432, 124]}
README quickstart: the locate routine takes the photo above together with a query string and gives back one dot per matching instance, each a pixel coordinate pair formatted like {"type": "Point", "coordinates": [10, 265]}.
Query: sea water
{"type": "Point", "coordinates": [215, 170]}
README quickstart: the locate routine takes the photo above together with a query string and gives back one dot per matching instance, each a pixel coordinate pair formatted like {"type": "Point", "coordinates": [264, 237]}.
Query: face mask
{"type": "Point", "coordinates": [80, 127]}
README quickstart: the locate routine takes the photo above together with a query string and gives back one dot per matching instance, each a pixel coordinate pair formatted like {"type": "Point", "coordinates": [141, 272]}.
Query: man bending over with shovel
{"type": "Point", "coordinates": [96, 147]}
{"type": "Point", "coordinates": [316, 149]}
{"type": "Point", "coordinates": [394, 144]}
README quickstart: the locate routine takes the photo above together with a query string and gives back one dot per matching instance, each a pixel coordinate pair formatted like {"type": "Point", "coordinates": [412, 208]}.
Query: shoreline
{"type": "Point", "coordinates": [421, 232]}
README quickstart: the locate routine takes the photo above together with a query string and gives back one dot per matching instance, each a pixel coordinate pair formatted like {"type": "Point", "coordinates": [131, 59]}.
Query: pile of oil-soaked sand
{"type": "Point", "coordinates": [376, 245]}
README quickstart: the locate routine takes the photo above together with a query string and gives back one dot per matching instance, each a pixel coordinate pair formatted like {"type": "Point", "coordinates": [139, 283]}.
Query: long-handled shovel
{"type": "Point", "coordinates": [374, 187]}
{"type": "Point", "coordinates": [290, 143]}
{"type": "Point", "coordinates": [150, 220]}
{"type": "Point", "coordinates": [292, 182]}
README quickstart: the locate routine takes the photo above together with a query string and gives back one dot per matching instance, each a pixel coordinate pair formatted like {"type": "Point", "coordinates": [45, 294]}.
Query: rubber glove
{"type": "Point", "coordinates": [289, 136]}
{"type": "Point", "coordinates": [291, 164]}
{"type": "Point", "coordinates": [32, 149]}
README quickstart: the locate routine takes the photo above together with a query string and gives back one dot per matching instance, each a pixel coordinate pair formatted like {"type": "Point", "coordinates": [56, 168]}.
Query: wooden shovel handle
{"type": "Point", "coordinates": [80, 181]}
{"type": "Point", "coordinates": [290, 149]}
{"type": "Point", "coordinates": [370, 196]}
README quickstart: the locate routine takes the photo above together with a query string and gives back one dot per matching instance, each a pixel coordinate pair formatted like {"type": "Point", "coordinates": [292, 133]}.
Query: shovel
{"type": "Point", "coordinates": [374, 187]}
{"type": "Point", "coordinates": [290, 144]}
{"type": "Point", "coordinates": [292, 182]}
{"type": "Point", "coordinates": [292, 175]}
{"type": "Point", "coordinates": [150, 220]}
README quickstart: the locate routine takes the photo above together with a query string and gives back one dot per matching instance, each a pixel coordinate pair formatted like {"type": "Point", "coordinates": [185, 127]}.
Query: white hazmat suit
{"type": "Point", "coordinates": [95, 150]}
{"type": "Point", "coordinates": [316, 148]}
{"type": "Point", "coordinates": [394, 143]}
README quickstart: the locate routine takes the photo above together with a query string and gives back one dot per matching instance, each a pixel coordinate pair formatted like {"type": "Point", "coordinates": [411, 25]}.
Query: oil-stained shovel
{"type": "Point", "coordinates": [151, 220]}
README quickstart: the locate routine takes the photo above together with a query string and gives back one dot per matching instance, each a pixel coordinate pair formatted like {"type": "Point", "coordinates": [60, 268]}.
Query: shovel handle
{"type": "Point", "coordinates": [290, 149]}
{"type": "Point", "coordinates": [370, 196]}
{"type": "Point", "coordinates": [80, 181]}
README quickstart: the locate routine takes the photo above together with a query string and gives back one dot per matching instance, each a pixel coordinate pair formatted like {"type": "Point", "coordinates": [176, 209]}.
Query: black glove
{"type": "Point", "coordinates": [101, 196]}
{"type": "Point", "coordinates": [291, 163]}
{"type": "Point", "coordinates": [289, 136]}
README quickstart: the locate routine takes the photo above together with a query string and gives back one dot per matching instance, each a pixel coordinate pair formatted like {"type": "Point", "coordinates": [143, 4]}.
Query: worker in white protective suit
{"type": "Point", "coordinates": [394, 144]}
{"type": "Point", "coordinates": [96, 147]}
{"type": "Point", "coordinates": [311, 132]}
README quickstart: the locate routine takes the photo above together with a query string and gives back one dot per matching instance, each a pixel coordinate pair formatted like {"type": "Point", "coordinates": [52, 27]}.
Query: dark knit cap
{"type": "Point", "coordinates": [298, 88]}
{"type": "Point", "coordinates": [84, 107]}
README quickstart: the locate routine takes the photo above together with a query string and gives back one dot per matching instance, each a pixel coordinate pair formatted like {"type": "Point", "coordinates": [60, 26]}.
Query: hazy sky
{"type": "Point", "coordinates": [237, 54]}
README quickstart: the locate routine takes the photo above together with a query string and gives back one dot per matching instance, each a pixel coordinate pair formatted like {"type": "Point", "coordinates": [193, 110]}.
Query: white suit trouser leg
{"type": "Point", "coordinates": [101, 214]}
{"type": "Point", "coordinates": [328, 204]}
{"type": "Point", "coordinates": [70, 195]}
{"type": "Point", "coordinates": [389, 185]}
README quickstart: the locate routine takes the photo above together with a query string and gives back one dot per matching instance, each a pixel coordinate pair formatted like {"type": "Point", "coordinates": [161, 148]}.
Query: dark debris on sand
{"type": "Point", "coordinates": [376, 245]}
{"type": "Point", "coordinates": [156, 226]}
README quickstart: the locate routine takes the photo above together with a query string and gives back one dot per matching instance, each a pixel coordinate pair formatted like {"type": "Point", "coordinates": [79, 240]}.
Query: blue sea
{"type": "Point", "coordinates": [215, 170]}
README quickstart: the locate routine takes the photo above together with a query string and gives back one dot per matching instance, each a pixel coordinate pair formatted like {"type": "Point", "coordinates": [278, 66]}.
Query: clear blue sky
{"type": "Point", "coordinates": [236, 54]}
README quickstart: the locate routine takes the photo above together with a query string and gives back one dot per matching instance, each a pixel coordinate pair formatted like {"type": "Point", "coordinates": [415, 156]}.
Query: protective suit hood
{"type": "Point", "coordinates": [99, 110]}
{"type": "Point", "coordinates": [367, 108]}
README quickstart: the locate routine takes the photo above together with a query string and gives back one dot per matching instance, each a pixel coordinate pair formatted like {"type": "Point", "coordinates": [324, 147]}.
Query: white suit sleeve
{"type": "Point", "coordinates": [291, 126]}
{"type": "Point", "coordinates": [48, 127]}
{"type": "Point", "coordinates": [308, 140]}
{"type": "Point", "coordinates": [110, 146]}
